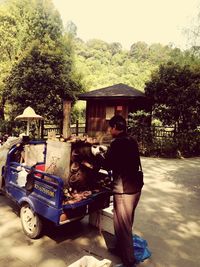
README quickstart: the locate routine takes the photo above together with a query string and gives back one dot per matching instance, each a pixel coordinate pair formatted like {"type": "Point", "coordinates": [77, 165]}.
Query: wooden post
{"type": "Point", "coordinates": [66, 118]}
{"type": "Point", "coordinates": [42, 129]}
{"type": "Point", "coordinates": [77, 127]}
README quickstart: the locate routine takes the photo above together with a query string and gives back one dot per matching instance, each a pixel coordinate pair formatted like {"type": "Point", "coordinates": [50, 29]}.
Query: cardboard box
{"type": "Point", "coordinates": [103, 219]}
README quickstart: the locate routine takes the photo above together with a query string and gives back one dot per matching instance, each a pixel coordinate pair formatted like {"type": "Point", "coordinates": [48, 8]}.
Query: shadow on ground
{"type": "Point", "coordinates": [168, 217]}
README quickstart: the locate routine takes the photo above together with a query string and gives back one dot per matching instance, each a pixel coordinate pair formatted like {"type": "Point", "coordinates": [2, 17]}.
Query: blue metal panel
{"type": "Point", "coordinates": [46, 198]}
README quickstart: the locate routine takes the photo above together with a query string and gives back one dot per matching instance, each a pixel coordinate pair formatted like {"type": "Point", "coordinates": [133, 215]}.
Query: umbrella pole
{"type": "Point", "coordinates": [28, 126]}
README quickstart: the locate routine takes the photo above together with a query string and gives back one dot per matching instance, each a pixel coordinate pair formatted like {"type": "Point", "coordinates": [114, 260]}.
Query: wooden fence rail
{"type": "Point", "coordinates": [77, 128]}
{"type": "Point", "coordinates": [160, 132]}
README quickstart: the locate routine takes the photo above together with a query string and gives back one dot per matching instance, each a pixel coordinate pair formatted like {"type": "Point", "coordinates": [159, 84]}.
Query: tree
{"type": "Point", "coordinates": [175, 93]}
{"type": "Point", "coordinates": [22, 22]}
{"type": "Point", "coordinates": [139, 51]}
{"type": "Point", "coordinates": [44, 74]}
{"type": "Point", "coordinates": [41, 80]}
{"type": "Point", "coordinates": [193, 33]}
{"type": "Point", "coordinates": [8, 50]}
{"type": "Point", "coordinates": [71, 28]}
{"type": "Point", "coordinates": [115, 48]}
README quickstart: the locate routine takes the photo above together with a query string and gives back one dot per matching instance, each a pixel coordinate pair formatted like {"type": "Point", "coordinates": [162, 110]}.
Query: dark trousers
{"type": "Point", "coordinates": [124, 209]}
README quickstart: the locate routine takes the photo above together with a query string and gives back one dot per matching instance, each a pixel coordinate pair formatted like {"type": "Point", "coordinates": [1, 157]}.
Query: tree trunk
{"type": "Point", "coordinates": [66, 118]}
{"type": "Point", "coordinates": [2, 104]}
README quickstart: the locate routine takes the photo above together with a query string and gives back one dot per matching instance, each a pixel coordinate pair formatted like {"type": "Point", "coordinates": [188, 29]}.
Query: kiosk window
{"type": "Point", "coordinates": [110, 112]}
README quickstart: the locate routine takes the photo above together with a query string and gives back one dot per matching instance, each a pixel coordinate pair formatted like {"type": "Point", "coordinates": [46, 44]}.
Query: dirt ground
{"type": "Point", "coordinates": [168, 217]}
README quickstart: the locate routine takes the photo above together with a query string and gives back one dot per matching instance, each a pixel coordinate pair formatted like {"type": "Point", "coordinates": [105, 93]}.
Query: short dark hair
{"type": "Point", "coordinates": [119, 122]}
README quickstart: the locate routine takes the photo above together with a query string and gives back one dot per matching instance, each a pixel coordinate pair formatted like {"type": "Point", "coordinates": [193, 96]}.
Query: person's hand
{"type": "Point", "coordinates": [87, 164]}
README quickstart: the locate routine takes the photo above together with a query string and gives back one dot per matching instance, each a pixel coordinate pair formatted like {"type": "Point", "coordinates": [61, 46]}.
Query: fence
{"type": "Point", "coordinates": [153, 140]}
{"type": "Point", "coordinates": [166, 141]}
{"type": "Point", "coordinates": [76, 128]}
{"type": "Point", "coordinates": [153, 132]}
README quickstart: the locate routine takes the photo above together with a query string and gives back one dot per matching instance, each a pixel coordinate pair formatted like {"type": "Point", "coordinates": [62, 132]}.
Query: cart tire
{"type": "Point", "coordinates": [31, 222]}
{"type": "Point", "coordinates": [3, 188]}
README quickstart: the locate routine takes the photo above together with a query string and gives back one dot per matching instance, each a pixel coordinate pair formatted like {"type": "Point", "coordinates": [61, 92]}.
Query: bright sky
{"type": "Point", "coordinates": [129, 21]}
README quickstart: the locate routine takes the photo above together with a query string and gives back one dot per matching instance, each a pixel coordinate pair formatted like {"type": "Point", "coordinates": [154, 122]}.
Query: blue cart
{"type": "Point", "coordinates": [46, 199]}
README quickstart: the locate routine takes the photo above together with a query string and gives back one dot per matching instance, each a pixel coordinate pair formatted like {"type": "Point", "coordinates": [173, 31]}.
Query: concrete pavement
{"type": "Point", "coordinates": [168, 217]}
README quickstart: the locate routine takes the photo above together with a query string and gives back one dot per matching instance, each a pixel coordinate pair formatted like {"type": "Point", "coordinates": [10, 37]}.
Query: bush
{"type": "Point", "coordinates": [186, 144]}
{"type": "Point", "coordinates": [11, 128]}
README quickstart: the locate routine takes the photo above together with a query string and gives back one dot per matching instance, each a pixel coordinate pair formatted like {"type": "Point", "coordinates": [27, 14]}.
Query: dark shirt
{"type": "Point", "coordinates": [123, 159]}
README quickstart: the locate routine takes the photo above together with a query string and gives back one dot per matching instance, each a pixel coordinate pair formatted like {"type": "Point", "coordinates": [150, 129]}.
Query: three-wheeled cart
{"type": "Point", "coordinates": [46, 200]}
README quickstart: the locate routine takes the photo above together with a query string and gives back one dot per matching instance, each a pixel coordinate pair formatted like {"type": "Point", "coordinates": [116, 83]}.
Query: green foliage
{"type": "Point", "coordinates": [71, 29]}
{"type": "Point", "coordinates": [139, 118]}
{"type": "Point", "coordinates": [175, 92]}
{"type": "Point", "coordinates": [34, 81]}
{"type": "Point", "coordinates": [139, 127]}
{"type": "Point", "coordinates": [103, 64]}
{"type": "Point", "coordinates": [184, 144]}
{"type": "Point", "coordinates": [11, 127]}
{"type": "Point", "coordinates": [139, 51]}
{"type": "Point", "coordinates": [41, 62]}
{"type": "Point", "coordinates": [40, 71]}
{"type": "Point", "coordinates": [162, 141]}
{"type": "Point", "coordinates": [188, 142]}
{"type": "Point", "coordinates": [78, 113]}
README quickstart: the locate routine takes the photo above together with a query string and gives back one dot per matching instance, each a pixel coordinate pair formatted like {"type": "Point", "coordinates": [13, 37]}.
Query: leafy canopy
{"type": "Point", "coordinates": [175, 93]}
{"type": "Point", "coordinates": [42, 69]}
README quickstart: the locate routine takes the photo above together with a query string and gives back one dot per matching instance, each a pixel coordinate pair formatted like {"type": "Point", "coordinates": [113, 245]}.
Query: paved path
{"type": "Point", "coordinates": [168, 217]}
{"type": "Point", "coordinates": [169, 212]}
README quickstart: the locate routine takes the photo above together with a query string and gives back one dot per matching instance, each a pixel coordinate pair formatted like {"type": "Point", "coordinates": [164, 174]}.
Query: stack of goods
{"type": "Point", "coordinates": [86, 175]}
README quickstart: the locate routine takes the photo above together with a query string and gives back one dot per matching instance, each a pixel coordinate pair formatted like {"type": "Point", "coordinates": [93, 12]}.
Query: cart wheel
{"type": "Point", "coordinates": [31, 223]}
{"type": "Point", "coordinates": [3, 188]}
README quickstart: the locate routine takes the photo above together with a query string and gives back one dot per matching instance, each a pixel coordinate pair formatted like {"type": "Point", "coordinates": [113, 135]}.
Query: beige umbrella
{"type": "Point", "coordinates": [29, 115]}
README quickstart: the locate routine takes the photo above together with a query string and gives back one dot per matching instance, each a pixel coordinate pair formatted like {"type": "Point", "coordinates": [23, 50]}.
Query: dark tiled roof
{"type": "Point", "coordinates": [113, 92]}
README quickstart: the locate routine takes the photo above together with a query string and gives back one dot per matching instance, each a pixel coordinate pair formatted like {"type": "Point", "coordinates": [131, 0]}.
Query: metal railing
{"type": "Point", "coordinates": [166, 140]}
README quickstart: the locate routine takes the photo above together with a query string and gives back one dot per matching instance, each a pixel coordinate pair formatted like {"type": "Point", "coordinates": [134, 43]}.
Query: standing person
{"type": "Point", "coordinates": [124, 161]}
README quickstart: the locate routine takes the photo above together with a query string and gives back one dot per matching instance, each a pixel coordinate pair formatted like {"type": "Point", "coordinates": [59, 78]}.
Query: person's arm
{"type": "Point", "coordinates": [109, 161]}
{"type": "Point", "coordinates": [107, 164]}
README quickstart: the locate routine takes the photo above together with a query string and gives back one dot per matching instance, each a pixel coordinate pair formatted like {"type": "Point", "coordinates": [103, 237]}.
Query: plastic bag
{"type": "Point", "coordinates": [90, 261]}
{"type": "Point", "coordinates": [21, 179]}
{"type": "Point", "coordinates": [4, 149]}
{"type": "Point", "coordinates": [141, 250]}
